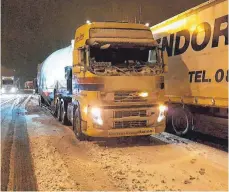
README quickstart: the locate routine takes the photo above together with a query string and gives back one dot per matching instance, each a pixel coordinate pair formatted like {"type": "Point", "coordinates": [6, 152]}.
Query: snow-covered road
{"type": "Point", "coordinates": [42, 154]}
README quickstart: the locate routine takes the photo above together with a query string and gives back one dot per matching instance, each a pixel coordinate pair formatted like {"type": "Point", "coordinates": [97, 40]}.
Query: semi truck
{"type": "Point", "coordinates": [196, 85]}
{"type": "Point", "coordinates": [28, 85]}
{"type": "Point", "coordinates": [108, 83]}
{"type": "Point", "coordinates": [8, 85]}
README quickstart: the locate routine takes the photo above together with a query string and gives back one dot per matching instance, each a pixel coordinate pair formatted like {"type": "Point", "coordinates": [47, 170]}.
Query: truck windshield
{"type": "Point", "coordinates": [124, 56]}
{"type": "Point", "coordinates": [122, 61]}
{"type": "Point", "coordinates": [7, 82]}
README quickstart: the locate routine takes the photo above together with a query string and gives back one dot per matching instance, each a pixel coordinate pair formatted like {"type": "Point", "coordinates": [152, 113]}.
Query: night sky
{"type": "Point", "coordinates": [33, 29]}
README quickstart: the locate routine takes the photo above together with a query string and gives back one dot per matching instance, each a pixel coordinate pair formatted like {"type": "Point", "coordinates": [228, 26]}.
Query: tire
{"type": "Point", "coordinates": [41, 101]}
{"type": "Point", "coordinates": [56, 110]}
{"type": "Point", "coordinates": [182, 121]}
{"type": "Point", "coordinates": [64, 119]}
{"type": "Point", "coordinates": [77, 126]}
{"type": "Point", "coordinates": [59, 111]}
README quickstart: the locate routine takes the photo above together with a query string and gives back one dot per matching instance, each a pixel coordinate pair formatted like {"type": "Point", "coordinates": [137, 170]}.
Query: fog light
{"type": "Point", "coordinates": [96, 115]}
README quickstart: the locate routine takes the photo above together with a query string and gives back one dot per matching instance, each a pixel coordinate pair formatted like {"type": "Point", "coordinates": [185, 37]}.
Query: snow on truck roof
{"type": "Point", "coordinates": [113, 25]}
{"type": "Point", "coordinates": [132, 32]}
{"type": "Point", "coordinates": [185, 13]}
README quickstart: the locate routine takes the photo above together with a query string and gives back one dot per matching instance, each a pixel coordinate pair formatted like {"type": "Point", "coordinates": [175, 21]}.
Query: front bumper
{"type": "Point", "coordinates": [118, 122]}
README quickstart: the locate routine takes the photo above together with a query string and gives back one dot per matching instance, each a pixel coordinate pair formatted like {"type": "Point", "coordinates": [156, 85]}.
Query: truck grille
{"type": "Point", "coordinates": [138, 113]}
{"type": "Point", "coordinates": [128, 96]}
{"type": "Point", "coordinates": [130, 124]}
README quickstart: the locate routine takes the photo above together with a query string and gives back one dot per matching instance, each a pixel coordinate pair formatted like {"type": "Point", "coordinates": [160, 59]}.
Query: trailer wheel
{"type": "Point", "coordinates": [64, 119]}
{"type": "Point", "coordinates": [181, 120]}
{"type": "Point", "coordinates": [77, 126]}
{"type": "Point", "coordinates": [41, 101]}
{"type": "Point", "coordinates": [59, 111]}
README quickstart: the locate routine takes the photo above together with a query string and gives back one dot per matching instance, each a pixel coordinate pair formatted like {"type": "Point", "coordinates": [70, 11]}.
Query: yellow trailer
{"type": "Point", "coordinates": [196, 85]}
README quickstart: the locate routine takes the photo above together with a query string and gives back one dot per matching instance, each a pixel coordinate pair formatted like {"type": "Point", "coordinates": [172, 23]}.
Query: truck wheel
{"type": "Point", "coordinates": [56, 110]}
{"type": "Point", "coordinates": [77, 126]}
{"type": "Point", "coordinates": [64, 119]}
{"type": "Point", "coordinates": [59, 111]}
{"type": "Point", "coordinates": [181, 120]}
{"type": "Point", "coordinates": [41, 101]}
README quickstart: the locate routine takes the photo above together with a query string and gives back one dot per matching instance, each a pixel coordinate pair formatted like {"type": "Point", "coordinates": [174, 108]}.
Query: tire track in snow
{"type": "Point", "coordinates": [17, 166]}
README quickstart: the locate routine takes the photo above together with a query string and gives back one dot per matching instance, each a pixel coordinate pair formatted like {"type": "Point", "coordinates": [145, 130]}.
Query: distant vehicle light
{"type": "Point", "coordinates": [88, 22]}
{"type": "Point", "coordinates": [147, 24]}
{"type": "Point", "coordinates": [144, 94]}
{"type": "Point", "coordinates": [13, 90]}
{"type": "Point", "coordinates": [3, 90]}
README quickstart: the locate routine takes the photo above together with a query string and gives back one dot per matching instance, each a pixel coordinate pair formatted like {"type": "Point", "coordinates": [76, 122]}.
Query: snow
{"type": "Point", "coordinates": [61, 162]}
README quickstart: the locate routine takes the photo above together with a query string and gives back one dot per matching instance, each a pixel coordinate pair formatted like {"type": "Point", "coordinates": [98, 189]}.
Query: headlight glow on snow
{"type": "Point", "coordinates": [96, 115]}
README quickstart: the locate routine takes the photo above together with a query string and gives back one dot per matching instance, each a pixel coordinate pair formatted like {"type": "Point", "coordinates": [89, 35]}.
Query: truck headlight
{"type": "Point", "coordinates": [3, 90]}
{"type": "Point", "coordinates": [96, 115]}
{"type": "Point", "coordinates": [13, 90]}
{"type": "Point", "coordinates": [161, 116]}
{"type": "Point", "coordinates": [143, 94]}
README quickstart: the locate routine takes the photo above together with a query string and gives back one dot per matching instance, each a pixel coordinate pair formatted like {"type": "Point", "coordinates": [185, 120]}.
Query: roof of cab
{"type": "Point", "coordinates": [115, 25]}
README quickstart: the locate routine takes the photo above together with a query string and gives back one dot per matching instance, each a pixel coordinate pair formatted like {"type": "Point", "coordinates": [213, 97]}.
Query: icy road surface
{"type": "Point", "coordinates": [38, 153]}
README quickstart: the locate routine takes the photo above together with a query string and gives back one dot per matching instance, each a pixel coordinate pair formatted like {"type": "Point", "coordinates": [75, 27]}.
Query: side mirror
{"type": "Point", "coordinates": [78, 68]}
{"type": "Point", "coordinates": [77, 60]}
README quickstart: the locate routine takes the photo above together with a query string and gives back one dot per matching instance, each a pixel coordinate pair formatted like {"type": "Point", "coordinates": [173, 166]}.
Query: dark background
{"type": "Point", "coordinates": [33, 29]}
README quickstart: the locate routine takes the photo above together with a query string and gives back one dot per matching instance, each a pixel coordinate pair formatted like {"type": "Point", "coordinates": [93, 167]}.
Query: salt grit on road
{"type": "Point", "coordinates": [61, 162]}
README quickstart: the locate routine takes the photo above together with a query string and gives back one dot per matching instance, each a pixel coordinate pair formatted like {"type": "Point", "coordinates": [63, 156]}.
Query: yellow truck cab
{"type": "Point", "coordinates": [117, 81]}
{"type": "Point", "coordinates": [108, 83]}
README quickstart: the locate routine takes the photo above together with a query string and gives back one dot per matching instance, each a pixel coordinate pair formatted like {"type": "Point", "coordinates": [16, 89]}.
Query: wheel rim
{"type": "Point", "coordinates": [180, 122]}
